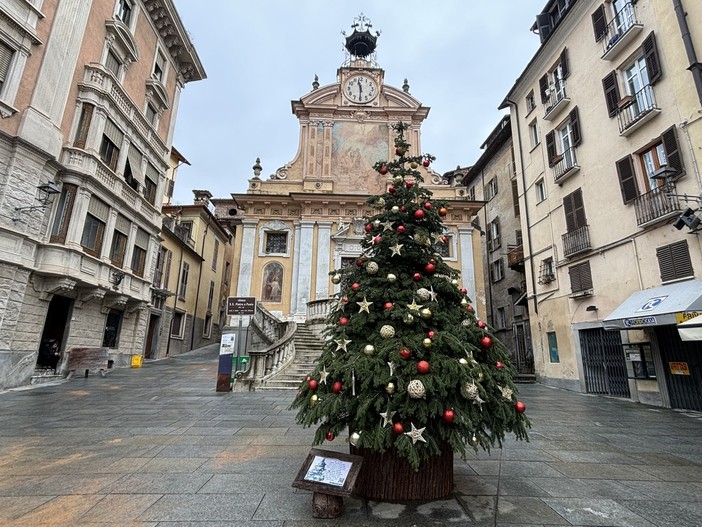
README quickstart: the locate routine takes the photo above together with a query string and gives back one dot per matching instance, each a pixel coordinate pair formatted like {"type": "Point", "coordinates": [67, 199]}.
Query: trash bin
{"type": "Point", "coordinates": [136, 361]}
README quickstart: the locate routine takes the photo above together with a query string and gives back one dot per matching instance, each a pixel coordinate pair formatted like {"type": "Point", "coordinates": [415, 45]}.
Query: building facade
{"type": "Point", "coordinates": [307, 219]}
{"type": "Point", "coordinates": [492, 179]}
{"type": "Point", "coordinates": [88, 100]}
{"type": "Point", "coordinates": [607, 127]}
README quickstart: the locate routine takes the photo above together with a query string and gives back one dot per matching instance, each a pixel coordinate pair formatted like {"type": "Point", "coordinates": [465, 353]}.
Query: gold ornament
{"type": "Point", "coordinates": [314, 400]}
{"type": "Point", "coordinates": [380, 203]}
{"type": "Point", "coordinates": [425, 313]}
{"type": "Point", "coordinates": [454, 282]}
{"type": "Point", "coordinates": [390, 388]}
{"type": "Point", "coordinates": [354, 438]}
{"type": "Point", "coordinates": [426, 343]}
{"type": "Point", "coordinates": [336, 279]}
{"type": "Point", "coordinates": [463, 362]}
{"type": "Point", "coordinates": [398, 179]}
{"type": "Point", "coordinates": [414, 307]}
{"type": "Point", "coordinates": [408, 319]}
{"type": "Point", "coordinates": [392, 278]}
{"type": "Point", "coordinates": [369, 349]}
{"type": "Point", "coordinates": [387, 331]}
{"type": "Point", "coordinates": [376, 223]}
{"type": "Point", "coordinates": [473, 440]}
{"type": "Point", "coordinates": [416, 389]}
{"type": "Point", "coordinates": [395, 209]}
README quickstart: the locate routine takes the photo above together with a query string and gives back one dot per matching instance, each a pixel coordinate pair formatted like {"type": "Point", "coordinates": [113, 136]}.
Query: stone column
{"type": "Point", "coordinates": [248, 247]}
{"type": "Point", "coordinates": [77, 219]}
{"type": "Point", "coordinates": [107, 238]}
{"type": "Point", "coordinates": [323, 245]}
{"type": "Point", "coordinates": [304, 278]}
{"type": "Point", "coordinates": [465, 243]}
{"type": "Point", "coordinates": [296, 270]}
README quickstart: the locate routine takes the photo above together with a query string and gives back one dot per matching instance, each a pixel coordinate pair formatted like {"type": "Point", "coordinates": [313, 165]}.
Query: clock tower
{"type": "Point", "coordinates": [307, 218]}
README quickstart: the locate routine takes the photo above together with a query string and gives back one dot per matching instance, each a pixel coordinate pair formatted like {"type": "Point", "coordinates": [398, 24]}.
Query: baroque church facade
{"type": "Point", "coordinates": [307, 219]}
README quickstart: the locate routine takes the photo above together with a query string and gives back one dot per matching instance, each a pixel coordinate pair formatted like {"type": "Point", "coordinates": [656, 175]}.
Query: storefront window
{"type": "Point", "coordinates": [639, 361]}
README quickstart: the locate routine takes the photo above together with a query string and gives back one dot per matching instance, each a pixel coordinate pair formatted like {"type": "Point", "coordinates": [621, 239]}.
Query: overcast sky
{"type": "Point", "coordinates": [460, 57]}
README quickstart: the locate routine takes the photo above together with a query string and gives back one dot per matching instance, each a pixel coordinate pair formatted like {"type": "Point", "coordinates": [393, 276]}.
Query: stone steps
{"type": "Point", "coordinates": [308, 347]}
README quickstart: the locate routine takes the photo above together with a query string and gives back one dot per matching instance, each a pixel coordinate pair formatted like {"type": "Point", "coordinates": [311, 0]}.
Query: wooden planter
{"type": "Point", "coordinates": [385, 477]}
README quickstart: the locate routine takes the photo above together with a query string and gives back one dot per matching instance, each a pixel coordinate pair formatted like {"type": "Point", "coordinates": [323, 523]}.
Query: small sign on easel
{"type": "Point", "coordinates": [331, 476]}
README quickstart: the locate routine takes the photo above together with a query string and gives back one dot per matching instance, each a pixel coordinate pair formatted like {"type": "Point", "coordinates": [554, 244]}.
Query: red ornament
{"type": "Point", "coordinates": [486, 342]}
{"type": "Point", "coordinates": [383, 170]}
{"type": "Point", "coordinates": [400, 229]}
{"type": "Point", "coordinates": [520, 407]}
{"type": "Point", "coordinates": [499, 365]}
{"type": "Point", "coordinates": [429, 268]}
{"type": "Point", "coordinates": [369, 227]}
{"type": "Point", "coordinates": [423, 367]}
{"type": "Point", "coordinates": [345, 299]}
{"type": "Point", "coordinates": [337, 387]}
{"type": "Point", "coordinates": [360, 261]}
{"type": "Point", "coordinates": [409, 184]}
{"type": "Point", "coordinates": [443, 211]}
{"type": "Point", "coordinates": [388, 306]}
{"type": "Point", "coordinates": [419, 214]}
{"type": "Point", "coordinates": [481, 324]}
{"type": "Point", "coordinates": [427, 205]}
{"type": "Point", "coordinates": [464, 291]}
{"type": "Point", "coordinates": [416, 277]}
{"type": "Point", "coordinates": [330, 436]}
{"type": "Point", "coordinates": [444, 239]}
{"type": "Point", "coordinates": [403, 208]}
{"type": "Point", "coordinates": [405, 353]}
{"type": "Point", "coordinates": [449, 415]}
{"type": "Point", "coordinates": [355, 286]}
{"type": "Point", "coordinates": [400, 151]}
{"type": "Point", "coordinates": [398, 428]}
{"type": "Point", "coordinates": [343, 321]}
{"type": "Point", "coordinates": [431, 260]}
{"type": "Point", "coordinates": [391, 189]}
{"type": "Point", "coordinates": [308, 378]}
{"type": "Point", "coordinates": [312, 385]}
{"type": "Point", "coordinates": [426, 162]}
{"type": "Point", "coordinates": [431, 334]}
{"type": "Point", "coordinates": [470, 308]}
{"type": "Point", "coordinates": [377, 239]}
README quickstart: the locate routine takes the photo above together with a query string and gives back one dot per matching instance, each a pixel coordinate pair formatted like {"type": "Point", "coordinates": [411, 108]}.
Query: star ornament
{"type": "Point", "coordinates": [387, 417]}
{"type": "Point", "coordinates": [387, 226]}
{"type": "Point", "coordinates": [432, 294]}
{"type": "Point", "coordinates": [414, 306]}
{"type": "Point", "coordinates": [416, 434]}
{"type": "Point", "coordinates": [323, 375]}
{"type": "Point", "coordinates": [342, 343]}
{"type": "Point", "coordinates": [506, 392]}
{"type": "Point", "coordinates": [396, 249]}
{"type": "Point", "coordinates": [364, 305]}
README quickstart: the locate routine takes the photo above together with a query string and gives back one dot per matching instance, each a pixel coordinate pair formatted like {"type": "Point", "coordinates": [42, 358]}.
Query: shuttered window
{"type": "Point", "coordinates": [515, 198]}
{"type": "Point", "coordinates": [113, 133]}
{"type": "Point", "coordinates": [565, 70]}
{"type": "Point", "coordinates": [627, 179]}
{"type": "Point", "coordinates": [112, 63]}
{"type": "Point", "coordinates": [575, 125]}
{"type": "Point", "coordinates": [63, 214]}
{"type": "Point", "coordinates": [580, 277]}
{"type": "Point", "coordinates": [141, 245]}
{"type": "Point", "coordinates": [611, 93]}
{"type": "Point", "coordinates": [543, 88]}
{"type": "Point", "coordinates": [119, 240]}
{"type": "Point", "coordinates": [94, 228]}
{"type": "Point", "coordinates": [6, 53]}
{"type": "Point", "coordinates": [99, 209]}
{"type": "Point", "coordinates": [86, 116]}
{"type": "Point", "coordinates": [551, 148]}
{"type": "Point", "coordinates": [653, 63]}
{"type": "Point", "coordinates": [672, 151]}
{"type": "Point", "coordinates": [574, 211]}
{"type": "Point", "coordinates": [599, 23]}
{"type": "Point", "coordinates": [674, 261]}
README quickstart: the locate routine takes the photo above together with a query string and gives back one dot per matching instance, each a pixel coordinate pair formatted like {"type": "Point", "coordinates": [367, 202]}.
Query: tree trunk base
{"type": "Point", "coordinates": [386, 477]}
{"type": "Point", "coordinates": [326, 505]}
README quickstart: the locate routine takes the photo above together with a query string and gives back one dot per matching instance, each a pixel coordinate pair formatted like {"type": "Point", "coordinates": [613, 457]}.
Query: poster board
{"type": "Point", "coordinates": [328, 472]}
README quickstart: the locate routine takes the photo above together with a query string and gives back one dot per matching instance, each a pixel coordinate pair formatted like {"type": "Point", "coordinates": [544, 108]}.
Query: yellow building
{"type": "Point", "coordinates": [307, 218]}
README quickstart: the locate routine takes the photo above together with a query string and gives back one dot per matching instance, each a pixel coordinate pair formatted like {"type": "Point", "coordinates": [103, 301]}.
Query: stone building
{"type": "Point", "coordinates": [307, 218]}
{"type": "Point", "coordinates": [88, 97]}
{"type": "Point", "coordinates": [607, 126]}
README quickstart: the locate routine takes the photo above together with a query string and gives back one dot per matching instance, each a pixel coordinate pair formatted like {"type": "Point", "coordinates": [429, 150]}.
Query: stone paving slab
{"type": "Point", "coordinates": [158, 447]}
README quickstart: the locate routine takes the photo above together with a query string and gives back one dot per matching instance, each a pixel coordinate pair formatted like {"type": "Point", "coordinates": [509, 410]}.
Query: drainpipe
{"type": "Point", "coordinates": [695, 67]}
{"type": "Point", "coordinates": [199, 279]}
{"type": "Point", "coordinates": [513, 104]}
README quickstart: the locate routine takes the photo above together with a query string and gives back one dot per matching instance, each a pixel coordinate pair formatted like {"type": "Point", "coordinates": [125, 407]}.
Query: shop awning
{"type": "Point", "coordinates": [665, 305]}
{"type": "Point", "coordinates": [691, 329]}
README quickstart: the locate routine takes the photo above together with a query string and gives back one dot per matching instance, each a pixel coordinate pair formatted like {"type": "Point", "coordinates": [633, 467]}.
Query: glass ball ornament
{"type": "Point", "coordinates": [314, 400]}
{"type": "Point", "coordinates": [376, 223]}
{"type": "Point", "coordinates": [454, 282]}
{"type": "Point", "coordinates": [425, 313]}
{"type": "Point", "coordinates": [463, 362]}
{"type": "Point", "coordinates": [395, 209]}
{"type": "Point", "coordinates": [336, 279]}
{"type": "Point", "coordinates": [391, 278]}
{"type": "Point", "coordinates": [369, 349]}
{"type": "Point", "coordinates": [354, 438]}
{"type": "Point", "coordinates": [473, 440]}
{"type": "Point", "coordinates": [427, 343]}
{"type": "Point", "coordinates": [398, 180]}
{"type": "Point", "coordinates": [408, 319]}
{"type": "Point", "coordinates": [390, 388]}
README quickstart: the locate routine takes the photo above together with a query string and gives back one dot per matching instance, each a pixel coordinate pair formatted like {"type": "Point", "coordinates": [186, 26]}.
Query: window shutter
{"type": "Point", "coordinates": [543, 86]}
{"type": "Point", "coordinates": [551, 147]}
{"type": "Point", "coordinates": [575, 123]}
{"type": "Point", "coordinates": [568, 210]}
{"type": "Point", "coordinates": [135, 158]}
{"type": "Point", "coordinates": [99, 209]}
{"type": "Point", "coordinates": [599, 23]}
{"type": "Point", "coordinates": [653, 63]}
{"type": "Point", "coordinates": [611, 93]}
{"type": "Point", "coordinates": [674, 261]}
{"type": "Point", "coordinates": [171, 184]}
{"type": "Point", "coordinates": [152, 173]}
{"type": "Point", "coordinates": [86, 116]}
{"type": "Point", "coordinates": [565, 71]}
{"type": "Point", "coordinates": [5, 59]}
{"type": "Point", "coordinates": [672, 151]}
{"type": "Point", "coordinates": [543, 23]}
{"type": "Point", "coordinates": [580, 277]}
{"type": "Point", "coordinates": [113, 133]}
{"type": "Point", "coordinates": [627, 179]}
{"type": "Point", "coordinates": [515, 198]}
{"type": "Point", "coordinates": [123, 225]}
{"type": "Point", "coordinates": [579, 209]}
{"type": "Point", "coordinates": [142, 239]}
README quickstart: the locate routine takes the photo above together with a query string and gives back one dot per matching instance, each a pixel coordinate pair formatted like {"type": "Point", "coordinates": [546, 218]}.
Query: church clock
{"type": "Point", "coordinates": [360, 89]}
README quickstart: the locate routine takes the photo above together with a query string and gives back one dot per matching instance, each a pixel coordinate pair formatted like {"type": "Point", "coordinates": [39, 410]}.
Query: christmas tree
{"type": "Point", "coordinates": [407, 367]}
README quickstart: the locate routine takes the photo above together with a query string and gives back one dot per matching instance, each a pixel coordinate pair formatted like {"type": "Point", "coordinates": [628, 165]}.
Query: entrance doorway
{"type": "Point", "coordinates": [51, 346]}
{"type": "Point", "coordinates": [150, 349]}
{"type": "Point", "coordinates": [604, 364]}
{"type": "Point", "coordinates": [682, 367]}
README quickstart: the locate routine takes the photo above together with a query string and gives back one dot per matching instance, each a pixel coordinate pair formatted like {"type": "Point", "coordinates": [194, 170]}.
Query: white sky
{"type": "Point", "coordinates": [461, 57]}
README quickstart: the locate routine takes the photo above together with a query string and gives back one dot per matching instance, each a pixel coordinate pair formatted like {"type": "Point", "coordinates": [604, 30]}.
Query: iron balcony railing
{"type": "Point", "coordinates": [621, 23]}
{"type": "Point", "coordinates": [556, 99]}
{"type": "Point", "coordinates": [656, 204]}
{"type": "Point", "coordinates": [515, 256]}
{"type": "Point", "coordinates": [576, 241]}
{"type": "Point", "coordinates": [566, 163]}
{"type": "Point", "coordinates": [633, 108]}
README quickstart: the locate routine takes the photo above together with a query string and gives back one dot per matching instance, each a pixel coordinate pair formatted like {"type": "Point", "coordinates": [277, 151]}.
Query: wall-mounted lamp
{"type": "Point", "coordinates": [591, 308]}
{"type": "Point", "coordinates": [47, 190]}
{"type": "Point", "coordinates": [116, 278]}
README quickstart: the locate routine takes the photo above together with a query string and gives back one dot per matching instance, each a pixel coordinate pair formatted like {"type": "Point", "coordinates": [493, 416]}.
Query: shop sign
{"type": "Point", "coordinates": [679, 368]}
{"type": "Point", "coordinates": [640, 321]}
{"type": "Point", "coordinates": [687, 315]}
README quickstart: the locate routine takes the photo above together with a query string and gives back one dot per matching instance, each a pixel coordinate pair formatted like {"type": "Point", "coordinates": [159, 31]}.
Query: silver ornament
{"type": "Point", "coordinates": [369, 349]}
{"type": "Point", "coordinates": [354, 438]}
{"type": "Point", "coordinates": [376, 223]}
{"type": "Point", "coordinates": [395, 209]}
{"type": "Point", "coordinates": [390, 388]}
{"type": "Point", "coordinates": [392, 278]}
{"type": "Point", "coordinates": [473, 440]}
{"type": "Point", "coordinates": [463, 362]}
{"type": "Point", "coordinates": [408, 319]}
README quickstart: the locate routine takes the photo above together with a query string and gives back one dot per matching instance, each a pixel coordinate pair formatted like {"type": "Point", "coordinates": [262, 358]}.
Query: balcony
{"type": "Point", "coordinates": [637, 109]}
{"type": "Point", "coordinates": [515, 257]}
{"type": "Point", "coordinates": [658, 205]}
{"type": "Point", "coordinates": [557, 100]}
{"type": "Point", "coordinates": [620, 31]}
{"type": "Point", "coordinates": [566, 165]}
{"type": "Point", "coordinates": [576, 241]}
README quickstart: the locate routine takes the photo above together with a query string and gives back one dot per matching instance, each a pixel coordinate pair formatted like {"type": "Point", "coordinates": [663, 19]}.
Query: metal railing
{"type": "Point", "coordinates": [633, 108]}
{"type": "Point", "coordinates": [657, 203]}
{"type": "Point", "coordinates": [566, 163]}
{"type": "Point", "coordinates": [576, 241]}
{"type": "Point", "coordinates": [556, 95]}
{"type": "Point", "coordinates": [623, 21]}
{"type": "Point", "coordinates": [515, 256]}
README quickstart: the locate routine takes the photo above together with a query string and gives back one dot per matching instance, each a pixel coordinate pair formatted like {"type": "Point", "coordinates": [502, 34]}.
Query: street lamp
{"type": "Point", "coordinates": [47, 190]}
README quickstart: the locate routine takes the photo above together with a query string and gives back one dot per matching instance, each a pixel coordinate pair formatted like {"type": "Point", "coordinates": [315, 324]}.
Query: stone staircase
{"type": "Point", "coordinates": [308, 347]}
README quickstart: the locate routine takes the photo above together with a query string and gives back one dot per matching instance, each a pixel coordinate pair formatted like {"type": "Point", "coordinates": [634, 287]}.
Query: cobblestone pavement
{"type": "Point", "coordinates": [157, 446]}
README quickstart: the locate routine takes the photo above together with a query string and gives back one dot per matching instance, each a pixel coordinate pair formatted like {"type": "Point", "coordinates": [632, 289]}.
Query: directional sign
{"type": "Point", "coordinates": [241, 305]}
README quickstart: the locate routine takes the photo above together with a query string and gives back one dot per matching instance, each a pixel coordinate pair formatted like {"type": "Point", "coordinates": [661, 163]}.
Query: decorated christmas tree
{"type": "Point", "coordinates": [407, 367]}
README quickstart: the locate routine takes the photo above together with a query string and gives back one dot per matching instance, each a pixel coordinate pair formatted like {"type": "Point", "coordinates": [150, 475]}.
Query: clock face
{"type": "Point", "coordinates": [360, 89]}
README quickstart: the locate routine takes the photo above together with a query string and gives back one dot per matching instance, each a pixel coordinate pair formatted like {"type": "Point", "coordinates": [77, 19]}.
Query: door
{"type": "Point", "coordinates": [150, 349]}
{"type": "Point", "coordinates": [51, 346]}
{"type": "Point", "coordinates": [682, 365]}
{"type": "Point", "coordinates": [604, 365]}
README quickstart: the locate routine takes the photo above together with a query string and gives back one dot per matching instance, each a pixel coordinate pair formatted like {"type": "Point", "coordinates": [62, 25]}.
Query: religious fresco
{"type": "Point", "coordinates": [272, 283]}
{"type": "Point", "coordinates": [356, 147]}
